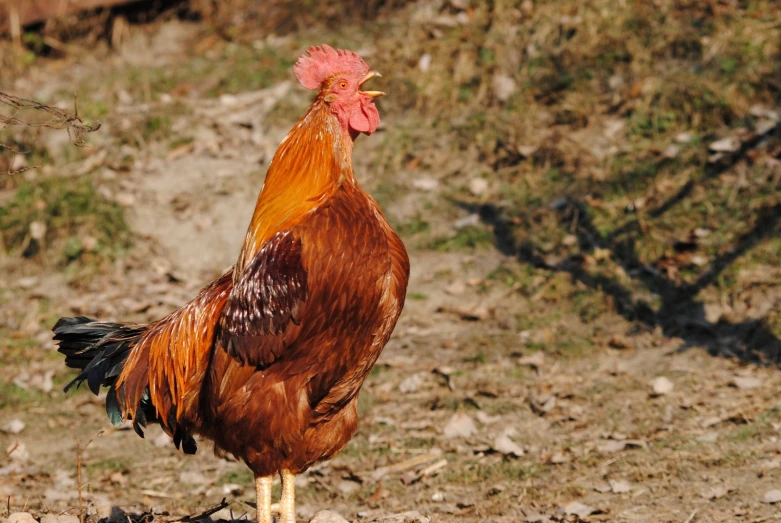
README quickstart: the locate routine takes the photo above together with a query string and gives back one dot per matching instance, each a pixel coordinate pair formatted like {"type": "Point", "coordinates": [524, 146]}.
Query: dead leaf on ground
{"type": "Point", "coordinates": [508, 447]}
{"type": "Point", "coordinates": [460, 425]}
{"type": "Point", "coordinates": [543, 405]}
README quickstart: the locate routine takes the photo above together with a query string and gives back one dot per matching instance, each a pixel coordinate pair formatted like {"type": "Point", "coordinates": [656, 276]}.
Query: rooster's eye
{"type": "Point", "coordinates": [343, 84]}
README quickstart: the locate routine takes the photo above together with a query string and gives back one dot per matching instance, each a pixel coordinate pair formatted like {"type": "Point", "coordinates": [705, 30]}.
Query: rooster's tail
{"type": "Point", "coordinates": [100, 351]}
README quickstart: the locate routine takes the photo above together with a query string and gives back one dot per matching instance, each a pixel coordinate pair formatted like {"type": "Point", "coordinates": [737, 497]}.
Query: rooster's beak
{"type": "Point", "coordinates": [373, 94]}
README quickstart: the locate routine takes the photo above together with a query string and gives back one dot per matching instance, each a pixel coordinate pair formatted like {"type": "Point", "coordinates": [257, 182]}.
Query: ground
{"type": "Point", "coordinates": [589, 198]}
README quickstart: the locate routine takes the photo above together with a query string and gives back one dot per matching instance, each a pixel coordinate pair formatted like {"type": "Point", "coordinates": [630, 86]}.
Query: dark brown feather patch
{"type": "Point", "coordinates": [265, 299]}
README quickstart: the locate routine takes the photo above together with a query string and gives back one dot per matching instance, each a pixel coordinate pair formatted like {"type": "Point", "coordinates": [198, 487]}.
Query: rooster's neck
{"type": "Point", "coordinates": [313, 160]}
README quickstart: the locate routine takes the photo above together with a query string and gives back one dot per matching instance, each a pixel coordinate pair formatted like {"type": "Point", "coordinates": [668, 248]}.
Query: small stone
{"type": "Point", "coordinates": [232, 489]}
{"type": "Point", "coordinates": [684, 137]}
{"type": "Point", "coordinates": [486, 419]}
{"type": "Point", "coordinates": [424, 63]}
{"type": "Point", "coordinates": [661, 386]}
{"type": "Point", "coordinates": [576, 508]}
{"type": "Point", "coordinates": [619, 486]}
{"type": "Point", "coordinates": [729, 144]}
{"type": "Point", "coordinates": [19, 162]}
{"type": "Point", "coordinates": [425, 184]}
{"type": "Point", "coordinates": [504, 87]}
{"type": "Point", "coordinates": [438, 497]}
{"type": "Point", "coordinates": [37, 230]}
{"type": "Point", "coordinates": [17, 452]}
{"type": "Point", "coordinates": [347, 487]}
{"type": "Point", "coordinates": [459, 426]}
{"type": "Point", "coordinates": [508, 447]}
{"type": "Point", "coordinates": [457, 288]}
{"type": "Point", "coordinates": [467, 221]}
{"type": "Point", "coordinates": [772, 496]}
{"type": "Point", "coordinates": [326, 516]}
{"type": "Point", "coordinates": [746, 382]}
{"type": "Point", "coordinates": [709, 437]}
{"type": "Point", "coordinates": [411, 383]}
{"type": "Point", "coordinates": [59, 518]}
{"type": "Point", "coordinates": [671, 151]}
{"type": "Point", "coordinates": [15, 426]}
{"type": "Point", "coordinates": [21, 517]}
{"type": "Point", "coordinates": [478, 186]}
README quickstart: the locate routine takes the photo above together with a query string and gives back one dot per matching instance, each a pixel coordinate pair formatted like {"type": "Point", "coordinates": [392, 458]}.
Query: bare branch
{"type": "Point", "coordinates": [57, 119]}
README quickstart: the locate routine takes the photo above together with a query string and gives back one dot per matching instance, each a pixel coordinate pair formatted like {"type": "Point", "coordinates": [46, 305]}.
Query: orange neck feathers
{"type": "Point", "coordinates": [309, 165]}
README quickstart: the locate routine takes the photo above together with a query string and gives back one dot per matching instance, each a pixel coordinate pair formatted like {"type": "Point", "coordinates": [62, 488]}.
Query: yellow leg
{"type": "Point", "coordinates": [287, 504]}
{"type": "Point", "coordinates": [263, 498]}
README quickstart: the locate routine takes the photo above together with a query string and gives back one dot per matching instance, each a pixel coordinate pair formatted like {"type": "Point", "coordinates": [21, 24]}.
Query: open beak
{"type": "Point", "coordinates": [373, 94]}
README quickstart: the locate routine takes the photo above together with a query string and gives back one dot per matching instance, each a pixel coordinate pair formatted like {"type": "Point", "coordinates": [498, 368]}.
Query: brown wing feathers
{"type": "Point", "coordinates": [265, 299]}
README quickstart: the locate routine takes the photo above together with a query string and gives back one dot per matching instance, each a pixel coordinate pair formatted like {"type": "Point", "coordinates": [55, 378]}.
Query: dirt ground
{"type": "Point", "coordinates": [509, 391]}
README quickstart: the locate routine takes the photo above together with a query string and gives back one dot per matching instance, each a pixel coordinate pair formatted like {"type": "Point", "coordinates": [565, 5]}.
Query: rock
{"type": "Point", "coordinates": [671, 151]}
{"type": "Point", "coordinates": [232, 489]}
{"type": "Point", "coordinates": [459, 426]}
{"type": "Point", "coordinates": [15, 426]}
{"type": "Point", "coordinates": [411, 383]}
{"type": "Point", "coordinates": [478, 186]}
{"type": "Point", "coordinates": [37, 230]}
{"type": "Point", "coordinates": [661, 386]}
{"type": "Point", "coordinates": [487, 419]}
{"type": "Point", "coordinates": [59, 518]}
{"type": "Point", "coordinates": [348, 487]}
{"type": "Point", "coordinates": [470, 220]}
{"type": "Point", "coordinates": [424, 64]}
{"type": "Point", "coordinates": [746, 382]}
{"type": "Point", "coordinates": [772, 496]}
{"type": "Point", "coordinates": [729, 144]}
{"type": "Point", "coordinates": [21, 517]}
{"type": "Point", "coordinates": [536, 360]}
{"type": "Point", "coordinates": [17, 452]}
{"type": "Point", "coordinates": [507, 446]}
{"type": "Point", "coordinates": [19, 162]}
{"type": "Point", "coordinates": [326, 516]}
{"type": "Point", "coordinates": [192, 477]}
{"type": "Point", "coordinates": [425, 184]}
{"type": "Point", "coordinates": [576, 508]}
{"type": "Point", "coordinates": [684, 137]}
{"type": "Point", "coordinates": [438, 497]}
{"type": "Point", "coordinates": [412, 516]}
{"type": "Point", "coordinates": [619, 486]}
{"type": "Point", "coordinates": [611, 446]}
{"type": "Point", "coordinates": [504, 87]}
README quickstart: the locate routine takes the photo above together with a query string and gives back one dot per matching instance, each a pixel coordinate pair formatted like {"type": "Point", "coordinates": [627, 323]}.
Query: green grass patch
{"type": "Point", "coordinates": [80, 224]}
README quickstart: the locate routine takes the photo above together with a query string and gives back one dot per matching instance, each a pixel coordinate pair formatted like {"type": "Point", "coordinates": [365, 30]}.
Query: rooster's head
{"type": "Point", "coordinates": [339, 76]}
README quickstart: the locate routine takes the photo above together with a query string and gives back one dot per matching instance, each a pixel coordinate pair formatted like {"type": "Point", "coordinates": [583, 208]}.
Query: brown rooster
{"type": "Point", "coordinates": [267, 361]}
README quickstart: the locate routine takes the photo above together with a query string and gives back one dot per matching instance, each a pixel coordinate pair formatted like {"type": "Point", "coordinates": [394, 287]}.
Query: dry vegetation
{"type": "Point", "coordinates": [590, 195]}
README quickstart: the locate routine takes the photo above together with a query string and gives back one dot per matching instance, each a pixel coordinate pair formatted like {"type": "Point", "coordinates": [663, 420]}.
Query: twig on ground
{"type": "Point", "coordinates": [223, 504]}
{"type": "Point", "coordinates": [8, 453]}
{"type": "Point", "coordinates": [79, 459]}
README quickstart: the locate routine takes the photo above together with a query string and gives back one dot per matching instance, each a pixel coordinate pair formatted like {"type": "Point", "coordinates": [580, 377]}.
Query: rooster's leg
{"type": "Point", "coordinates": [287, 504]}
{"type": "Point", "coordinates": [263, 498]}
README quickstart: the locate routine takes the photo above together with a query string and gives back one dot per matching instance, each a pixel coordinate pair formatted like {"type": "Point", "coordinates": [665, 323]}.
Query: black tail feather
{"type": "Point", "coordinates": [99, 350]}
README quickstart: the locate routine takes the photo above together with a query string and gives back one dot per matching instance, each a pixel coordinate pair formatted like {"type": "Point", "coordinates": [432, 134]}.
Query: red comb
{"type": "Point", "coordinates": [323, 62]}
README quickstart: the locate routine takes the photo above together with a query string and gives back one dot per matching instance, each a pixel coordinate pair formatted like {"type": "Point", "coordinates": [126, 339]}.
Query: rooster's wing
{"type": "Point", "coordinates": [265, 299]}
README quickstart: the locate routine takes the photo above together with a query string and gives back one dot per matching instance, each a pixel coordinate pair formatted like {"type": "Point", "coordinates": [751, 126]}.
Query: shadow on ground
{"type": "Point", "coordinates": [680, 314]}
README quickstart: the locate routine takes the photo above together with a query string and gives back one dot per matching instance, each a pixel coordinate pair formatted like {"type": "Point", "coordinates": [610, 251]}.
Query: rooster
{"type": "Point", "coordinates": [267, 361]}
